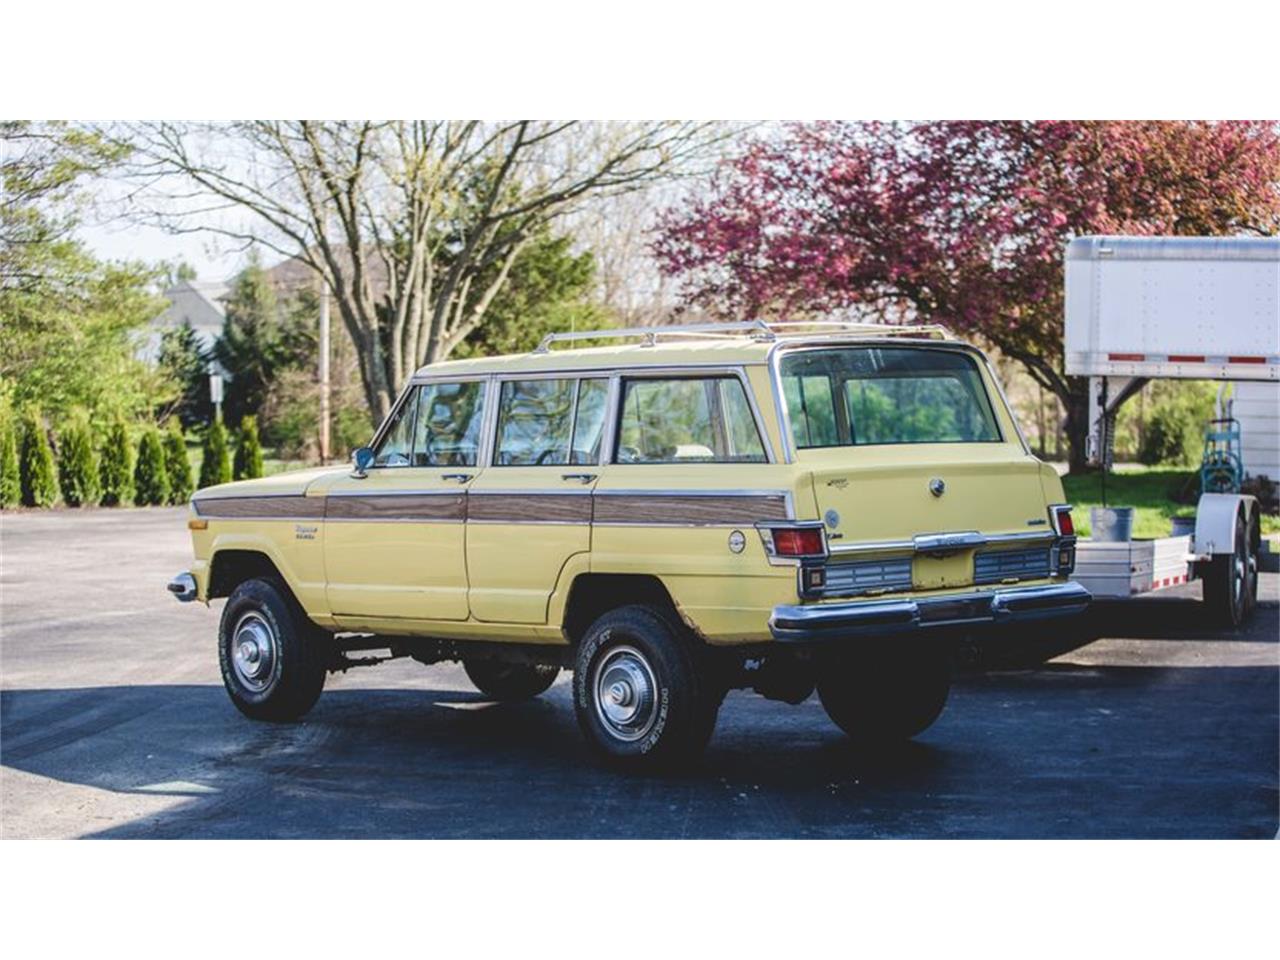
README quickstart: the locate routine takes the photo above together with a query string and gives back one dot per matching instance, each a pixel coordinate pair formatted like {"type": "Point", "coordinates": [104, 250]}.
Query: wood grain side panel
{"type": "Point", "coordinates": [530, 508]}
{"type": "Point", "coordinates": [409, 506]}
{"type": "Point", "coordinates": [261, 508]}
{"type": "Point", "coordinates": [631, 508]}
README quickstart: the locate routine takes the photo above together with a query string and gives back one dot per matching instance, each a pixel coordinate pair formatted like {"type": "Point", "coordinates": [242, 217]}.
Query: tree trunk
{"type": "Point", "coordinates": [1077, 405]}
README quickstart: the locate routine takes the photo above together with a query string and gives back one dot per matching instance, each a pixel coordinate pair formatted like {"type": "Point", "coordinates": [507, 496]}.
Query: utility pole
{"type": "Point", "coordinates": [325, 452]}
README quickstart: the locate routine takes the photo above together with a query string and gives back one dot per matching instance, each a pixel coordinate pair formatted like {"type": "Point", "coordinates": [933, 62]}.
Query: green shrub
{"type": "Point", "coordinates": [248, 462]}
{"type": "Point", "coordinates": [1173, 437]}
{"type": "Point", "coordinates": [150, 481]}
{"type": "Point", "coordinates": [177, 464]}
{"type": "Point", "coordinates": [115, 465]}
{"type": "Point", "coordinates": [216, 466]}
{"type": "Point", "coordinates": [35, 463]}
{"type": "Point", "coordinates": [10, 476]}
{"type": "Point", "coordinates": [77, 462]}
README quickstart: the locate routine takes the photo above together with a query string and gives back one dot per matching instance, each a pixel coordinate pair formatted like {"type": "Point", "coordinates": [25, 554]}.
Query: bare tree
{"type": "Point", "coordinates": [413, 225]}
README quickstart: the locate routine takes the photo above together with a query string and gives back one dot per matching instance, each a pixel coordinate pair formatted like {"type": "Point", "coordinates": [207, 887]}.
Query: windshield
{"type": "Point", "coordinates": [861, 396]}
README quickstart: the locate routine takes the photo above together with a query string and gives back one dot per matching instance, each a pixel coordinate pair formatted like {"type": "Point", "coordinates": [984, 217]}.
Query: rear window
{"type": "Point", "coordinates": [863, 396]}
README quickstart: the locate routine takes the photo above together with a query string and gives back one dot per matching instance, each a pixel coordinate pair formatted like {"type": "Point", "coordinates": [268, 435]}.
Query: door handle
{"type": "Point", "coordinates": [580, 477]}
{"type": "Point", "coordinates": [460, 477]}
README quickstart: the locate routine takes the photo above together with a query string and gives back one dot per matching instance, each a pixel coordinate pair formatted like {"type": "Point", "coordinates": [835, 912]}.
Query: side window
{"type": "Point", "coordinates": [450, 416]}
{"type": "Point", "coordinates": [535, 418]}
{"type": "Point", "coordinates": [396, 448]}
{"type": "Point", "coordinates": [588, 428]}
{"type": "Point", "coordinates": [705, 420]}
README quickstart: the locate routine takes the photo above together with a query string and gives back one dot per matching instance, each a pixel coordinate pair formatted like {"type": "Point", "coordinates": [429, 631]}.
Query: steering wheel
{"type": "Point", "coordinates": [544, 456]}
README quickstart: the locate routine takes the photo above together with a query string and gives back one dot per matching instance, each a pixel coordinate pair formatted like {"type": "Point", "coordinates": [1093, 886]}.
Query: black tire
{"type": "Point", "coordinates": [510, 681]}
{"type": "Point", "coordinates": [1231, 581]}
{"type": "Point", "coordinates": [883, 696]}
{"type": "Point", "coordinates": [285, 677]}
{"type": "Point", "coordinates": [638, 651]}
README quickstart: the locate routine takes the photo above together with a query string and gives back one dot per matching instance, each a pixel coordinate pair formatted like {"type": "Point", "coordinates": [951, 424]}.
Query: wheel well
{"type": "Point", "coordinates": [594, 594]}
{"type": "Point", "coordinates": [230, 568]}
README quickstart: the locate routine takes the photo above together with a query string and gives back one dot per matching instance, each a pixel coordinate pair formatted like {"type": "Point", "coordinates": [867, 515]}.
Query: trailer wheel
{"type": "Point", "coordinates": [1231, 581]}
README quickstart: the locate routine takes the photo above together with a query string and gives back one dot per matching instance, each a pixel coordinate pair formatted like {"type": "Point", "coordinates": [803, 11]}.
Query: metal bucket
{"type": "Point", "coordinates": [1182, 527]}
{"type": "Point", "coordinates": [1111, 524]}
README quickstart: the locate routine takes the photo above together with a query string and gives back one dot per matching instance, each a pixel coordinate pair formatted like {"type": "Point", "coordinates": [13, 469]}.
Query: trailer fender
{"type": "Point", "coordinates": [1216, 520]}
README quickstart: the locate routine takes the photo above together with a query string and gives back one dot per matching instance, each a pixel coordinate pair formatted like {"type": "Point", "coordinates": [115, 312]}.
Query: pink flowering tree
{"type": "Point", "coordinates": [960, 222]}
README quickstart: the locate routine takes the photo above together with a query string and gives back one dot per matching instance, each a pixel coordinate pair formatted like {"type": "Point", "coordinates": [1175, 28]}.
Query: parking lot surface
{"type": "Point", "coordinates": [113, 723]}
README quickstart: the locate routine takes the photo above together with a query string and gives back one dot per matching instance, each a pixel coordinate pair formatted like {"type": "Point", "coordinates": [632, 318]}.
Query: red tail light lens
{"type": "Point", "coordinates": [1065, 527]}
{"type": "Point", "coordinates": [798, 542]}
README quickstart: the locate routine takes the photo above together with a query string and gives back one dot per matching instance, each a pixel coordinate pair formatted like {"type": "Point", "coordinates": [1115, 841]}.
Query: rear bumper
{"type": "Point", "coordinates": [793, 623]}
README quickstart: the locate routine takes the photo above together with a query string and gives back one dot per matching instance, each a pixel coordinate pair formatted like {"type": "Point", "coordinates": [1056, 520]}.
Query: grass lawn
{"type": "Point", "coordinates": [1153, 492]}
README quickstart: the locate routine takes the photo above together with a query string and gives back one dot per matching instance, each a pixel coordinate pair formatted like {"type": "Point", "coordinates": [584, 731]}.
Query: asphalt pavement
{"type": "Point", "coordinates": [113, 723]}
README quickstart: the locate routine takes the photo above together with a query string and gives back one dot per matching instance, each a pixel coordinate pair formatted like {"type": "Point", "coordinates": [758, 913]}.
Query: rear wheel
{"type": "Point", "coordinates": [273, 658]}
{"type": "Point", "coordinates": [509, 681]}
{"type": "Point", "coordinates": [885, 696]}
{"type": "Point", "coordinates": [637, 690]}
{"type": "Point", "coordinates": [1231, 581]}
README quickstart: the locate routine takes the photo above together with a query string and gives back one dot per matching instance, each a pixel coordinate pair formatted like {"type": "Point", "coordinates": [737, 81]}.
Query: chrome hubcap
{"type": "Point", "coordinates": [253, 651]}
{"type": "Point", "coordinates": [625, 693]}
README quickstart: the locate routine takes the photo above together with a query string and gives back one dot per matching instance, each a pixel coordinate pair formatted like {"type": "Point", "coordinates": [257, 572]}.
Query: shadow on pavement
{"type": "Point", "coordinates": [1056, 752]}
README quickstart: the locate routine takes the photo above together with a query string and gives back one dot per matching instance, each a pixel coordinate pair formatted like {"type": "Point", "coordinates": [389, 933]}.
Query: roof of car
{"type": "Point", "coordinates": [676, 347]}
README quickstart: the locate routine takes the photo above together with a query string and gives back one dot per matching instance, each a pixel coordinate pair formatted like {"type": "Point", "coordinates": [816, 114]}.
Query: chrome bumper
{"type": "Point", "coordinates": [834, 620]}
{"type": "Point", "coordinates": [183, 586]}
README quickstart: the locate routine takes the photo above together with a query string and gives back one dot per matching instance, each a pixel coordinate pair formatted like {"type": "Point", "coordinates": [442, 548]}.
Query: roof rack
{"type": "Point", "coordinates": [755, 329]}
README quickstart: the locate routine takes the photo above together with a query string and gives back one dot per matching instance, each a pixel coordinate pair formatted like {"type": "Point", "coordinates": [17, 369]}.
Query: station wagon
{"type": "Point", "coordinates": [677, 513]}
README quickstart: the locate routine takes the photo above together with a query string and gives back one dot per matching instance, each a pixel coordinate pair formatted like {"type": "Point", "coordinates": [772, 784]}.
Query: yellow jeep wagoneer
{"type": "Point", "coordinates": [689, 510]}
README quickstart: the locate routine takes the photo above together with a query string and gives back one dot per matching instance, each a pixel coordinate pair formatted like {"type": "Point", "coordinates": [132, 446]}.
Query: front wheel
{"type": "Point", "coordinates": [885, 696]}
{"type": "Point", "coordinates": [509, 681]}
{"type": "Point", "coordinates": [637, 690]}
{"type": "Point", "coordinates": [272, 657]}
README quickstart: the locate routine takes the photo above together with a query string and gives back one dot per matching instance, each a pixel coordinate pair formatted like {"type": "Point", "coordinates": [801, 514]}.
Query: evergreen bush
{"type": "Point", "coordinates": [177, 464]}
{"type": "Point", "coordinates": [215, 468]}
{"type": "Point", "coordinates": [150, 481]}
{"type": "Point", "coordinates": [115, 465]}
{"type": "Point", "coordinates": [77, 462]}
{"type": "Point", "coordinates": [10, 476]}
{"type": "Point", "coordinates": [248, 461]}
{"type": "Point", "coordinates": [35, 463]}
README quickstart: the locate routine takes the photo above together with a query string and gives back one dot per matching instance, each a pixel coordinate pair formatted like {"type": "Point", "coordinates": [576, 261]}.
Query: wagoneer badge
{"type": "Point", "coordinates": [937, 487]}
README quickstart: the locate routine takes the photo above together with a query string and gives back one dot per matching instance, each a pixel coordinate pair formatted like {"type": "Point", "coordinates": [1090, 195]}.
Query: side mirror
{"type": "Point", "coordinates": [361, 460]}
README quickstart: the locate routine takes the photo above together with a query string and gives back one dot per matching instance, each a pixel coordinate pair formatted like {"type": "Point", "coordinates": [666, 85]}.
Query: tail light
{"type": "Point", "coordinates": [1062, 520]}
{"type": "Point", "coordinates": [1064, 549]}
{"type": "Point", "coordinates": [796, 542]}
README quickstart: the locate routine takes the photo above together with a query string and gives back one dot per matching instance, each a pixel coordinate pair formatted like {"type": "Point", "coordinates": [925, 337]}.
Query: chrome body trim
{"type": "Point", "coordinates": [924, 542]}
{"type": "Point", "coordinates": [183, 587]}
{"type": "Point", "coordinates": [948, 542]}
{"type": "Point", "coordinates": [828, 621]}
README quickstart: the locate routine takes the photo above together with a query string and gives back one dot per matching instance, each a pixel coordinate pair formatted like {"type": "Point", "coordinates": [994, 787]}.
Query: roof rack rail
{"type": "Point", "coordinates": [755, 329]}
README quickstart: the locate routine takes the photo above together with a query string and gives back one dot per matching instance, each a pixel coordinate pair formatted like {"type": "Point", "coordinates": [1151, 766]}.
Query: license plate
{"type": "Point", "coordinates": [940, 572]}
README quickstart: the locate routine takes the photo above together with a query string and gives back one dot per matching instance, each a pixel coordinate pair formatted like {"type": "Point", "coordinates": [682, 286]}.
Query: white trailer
{"type": "Point", "coordinates": [1195, 308]}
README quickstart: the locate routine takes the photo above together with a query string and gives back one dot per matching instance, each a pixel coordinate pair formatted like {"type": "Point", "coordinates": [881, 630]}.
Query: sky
{"type": "Point", "coordinates": [124, 241]}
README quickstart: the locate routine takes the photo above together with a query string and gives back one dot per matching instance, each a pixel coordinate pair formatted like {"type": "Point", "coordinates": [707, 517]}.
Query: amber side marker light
{"type": "Point", "coordinates": [196, 524]}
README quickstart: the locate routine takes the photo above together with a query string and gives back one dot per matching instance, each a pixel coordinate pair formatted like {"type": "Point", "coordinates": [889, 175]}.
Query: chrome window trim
{"type": "Point", "coordinates": [433, 492]}
{"type": "Point", "coordinates": [773, 360]}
